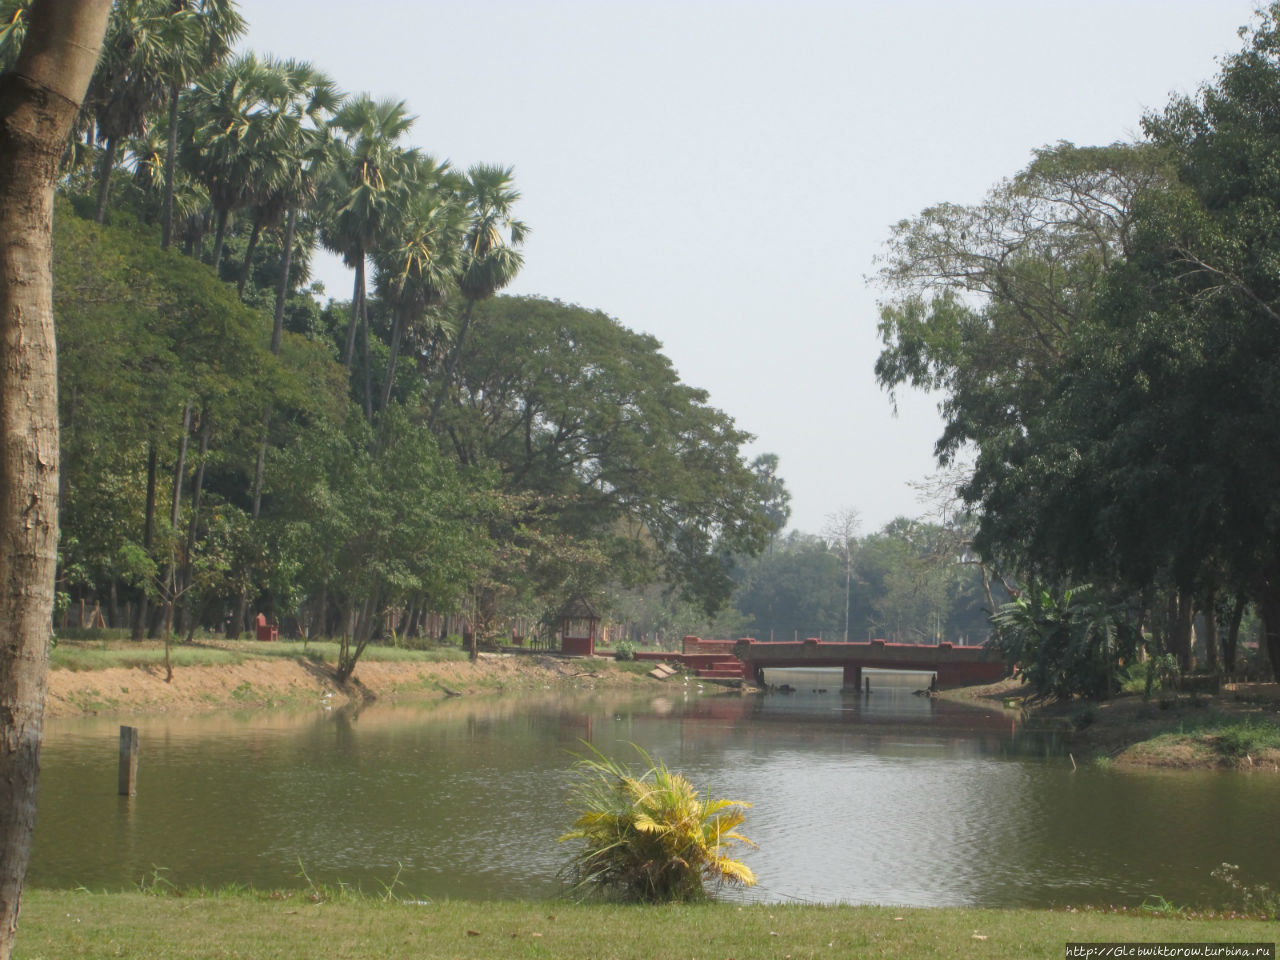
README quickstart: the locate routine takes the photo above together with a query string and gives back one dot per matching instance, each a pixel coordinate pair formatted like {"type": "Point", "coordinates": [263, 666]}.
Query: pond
{"type": "Point", "coordinates": [891, 798]}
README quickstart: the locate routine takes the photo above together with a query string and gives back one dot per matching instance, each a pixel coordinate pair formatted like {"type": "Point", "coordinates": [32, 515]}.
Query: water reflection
{"type": "Point", "coordinates": [890, 798]}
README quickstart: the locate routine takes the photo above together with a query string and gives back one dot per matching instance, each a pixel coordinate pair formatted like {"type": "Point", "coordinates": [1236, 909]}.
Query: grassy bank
{"type": "Point", "coordinates": [1232, 729]}
{"type": "Point", "coordinates": [105, 654]}
{"type": "Point", "coordinates": [66, 925]}
{"type": "Point", "coordinates": [112, 676]}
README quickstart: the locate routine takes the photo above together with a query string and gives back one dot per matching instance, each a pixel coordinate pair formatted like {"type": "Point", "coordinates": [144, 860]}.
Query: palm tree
{"type": "Point", "coordinates": [132, 80]}
{"type": "Point", "coordinates": [367, 182]}
{"type": "Point", "coordinates": [231, 127]}
{"type": "Point", "coordinates": [490, 259]}
{"type": "Point", "coordinates": [218, 24]}
{"type": "Point", "coordinates": [301, 100]}
{"type": "Point", "coordinates": [417, 265]}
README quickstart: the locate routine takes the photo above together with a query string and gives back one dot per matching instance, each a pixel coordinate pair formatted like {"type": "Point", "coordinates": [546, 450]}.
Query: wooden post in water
{"type": "Point", "coordinates": [128, 761]}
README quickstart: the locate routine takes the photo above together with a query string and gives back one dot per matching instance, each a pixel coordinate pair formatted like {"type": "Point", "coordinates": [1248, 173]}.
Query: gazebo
{"type": "Point", "coordinates": [578, 622]}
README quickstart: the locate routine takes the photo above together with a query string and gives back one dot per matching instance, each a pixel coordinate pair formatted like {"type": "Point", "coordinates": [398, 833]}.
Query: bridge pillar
{"type": "Point", "coordinates": [852, 679]}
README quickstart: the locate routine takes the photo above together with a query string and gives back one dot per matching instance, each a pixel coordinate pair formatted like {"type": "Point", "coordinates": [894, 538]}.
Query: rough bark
{"type": "Point", "coordinates": [1211, 648]}
{"type": "Point", "coordinates": [39, 99]}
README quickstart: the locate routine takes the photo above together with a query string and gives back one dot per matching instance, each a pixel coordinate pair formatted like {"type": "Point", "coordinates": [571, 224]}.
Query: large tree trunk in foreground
{"type": "Point", "coordinates": [38, 102]}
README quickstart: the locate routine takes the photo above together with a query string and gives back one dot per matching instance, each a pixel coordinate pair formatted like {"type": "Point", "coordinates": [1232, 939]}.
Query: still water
{"type": "Point", "coordinates": [892, 799]}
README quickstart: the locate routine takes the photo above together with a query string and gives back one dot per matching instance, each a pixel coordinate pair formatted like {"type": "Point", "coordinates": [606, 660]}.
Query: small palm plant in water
{"type": "Point", "coordinates": [651, 837]}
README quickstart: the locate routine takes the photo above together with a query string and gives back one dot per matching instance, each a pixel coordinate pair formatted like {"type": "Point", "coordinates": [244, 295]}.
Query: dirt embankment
{"type": "Point", "coordinates": [283, 682]}
{"type": "Point", "coordinates": [1226, 730]}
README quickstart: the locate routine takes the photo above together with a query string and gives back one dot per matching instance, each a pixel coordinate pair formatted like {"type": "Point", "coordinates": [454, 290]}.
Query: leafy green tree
{"type": "Point", "coordinates": [218, 25]}
{"type": "Point", "coordinates": [774, 495]}
{"type": "Point", "coordinates": [299, 100]}
{"type": "Point", "coordinates": [374, 519]}
{"type": "Point", "coordinates": [568, 404]}
{"type": "Point", "coordinates": [985, 298]}
{"type": "Point", "coordinates": [1152, 457]}
{"type": "Point", "coordinates": [152, 342]}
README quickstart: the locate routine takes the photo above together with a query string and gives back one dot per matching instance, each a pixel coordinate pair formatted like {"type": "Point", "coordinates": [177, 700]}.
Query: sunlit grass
{"type": "Point", "coordinates": [1233, 737]}
{"type": "Point", "coordinates": [104, 653]}
{"type": "Point", "coordinates": [283, 926]}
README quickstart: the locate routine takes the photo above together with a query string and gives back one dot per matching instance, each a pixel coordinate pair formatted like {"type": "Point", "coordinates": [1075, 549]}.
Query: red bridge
{"type": "Point", "coordinates": [954, 666]}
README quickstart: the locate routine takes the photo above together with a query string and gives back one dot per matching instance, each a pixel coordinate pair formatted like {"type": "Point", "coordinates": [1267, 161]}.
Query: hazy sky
{"type": "Point", "coordinates": [723, 174]}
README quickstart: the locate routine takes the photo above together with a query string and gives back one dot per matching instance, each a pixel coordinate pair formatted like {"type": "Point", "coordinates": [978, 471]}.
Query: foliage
{"type": "Point", "coordinates": [515, 452]}
{"type": "Point", "coordinates": [1065, 644]}
{"type": "Point", "coordinates": [374, 518]}
{"type": "Point", "coordinates": [590, 418]}
{"type": "Point", "coordinates": [651, 837]}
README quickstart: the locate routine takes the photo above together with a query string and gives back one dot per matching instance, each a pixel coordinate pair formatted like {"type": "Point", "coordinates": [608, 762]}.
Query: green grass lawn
{"type": "Point", "coordinates": [62, 925]}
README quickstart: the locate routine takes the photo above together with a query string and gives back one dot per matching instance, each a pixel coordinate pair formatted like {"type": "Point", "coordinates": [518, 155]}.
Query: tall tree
{"type": "Point", "coordinates": [490, 259]}
{"type": "Point", "coordinates": [774, 495]}
{"type": "Point", "coordinates": [218, 24]}
{"type": "Point", "coordinates": [144, 44]}
{"type": "Point", "coordinates": [368, 180]}
{"type": "Point", "coordinates": [39, 98]}
{"type": "Point", "coordinates": [229, 142]}
{"type": "Point", "coordinates": [841, 535]}
{"type": "Point", "coordinates": [985, 298]}
{"type": "Point", "coordinates": [299, 101]}
{"type": "Point", "coordinates": [416, 266]}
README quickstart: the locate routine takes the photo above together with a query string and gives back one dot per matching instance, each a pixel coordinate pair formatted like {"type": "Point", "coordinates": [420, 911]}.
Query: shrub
{"type": "Point", "coordinates": [651, 838]}
{"type": "Point", "coordinates": [625, 650]}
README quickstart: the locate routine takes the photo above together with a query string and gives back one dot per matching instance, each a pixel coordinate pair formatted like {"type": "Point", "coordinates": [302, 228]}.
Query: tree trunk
{"type": "Point", "coordinates": [397, 334]}
{"type": "Point", "coordinates": [367, 360]}
{"type": "Point", "coordinates": [113, 602]}
{"type": "Point", "coordinates": [104, 180]}
{"type": "Point", "coordinates": [357, 294]}
{"type": "Point", "coordinates": [148, 536]}
{"type": "Point", "coordinates": [197, 493]}
{"type": "Point", "coordinates": [446, 381]}
{"type": "Point", "coordinates": [1233, 635]}
{"type": "Point", "coordinates": [170, 167]}
{"type": "Point", "coordinates": [1211, 649]}
{"type": "Point", "coordinates": [219, 238]}
{"type": "Point", "coordinates": [39, 99]}
{"type": "Point", "coordinates": [247, 267]}
{"type": "Point", "coordinates": [1182, 632]}
{"type": "Point", "coordinates": [175, 509]}
{"type": "Point", "coordinates": [283, 286]}
{"type": "Point", "coordinates": [1269, 607]}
